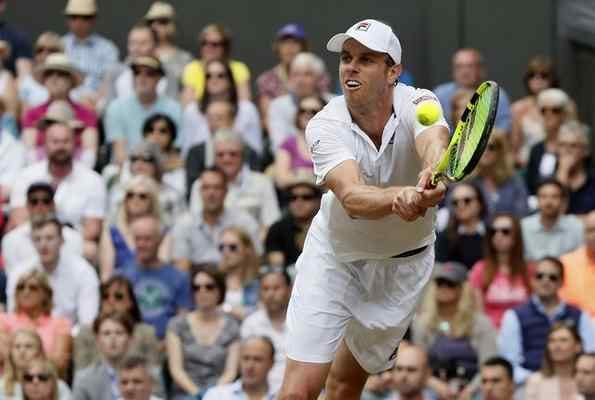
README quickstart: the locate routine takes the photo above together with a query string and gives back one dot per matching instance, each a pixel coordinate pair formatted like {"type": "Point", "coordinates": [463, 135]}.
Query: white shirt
{"type": "Point", "coordinates": [17, 245]}
{"type": "Point", "coordinates": [232, 391]}
{"type": "Point", "coordinates": [259, 324]}
{"type": "Point", "coordinates": [74, 283]}
{"type": "Point", "coordinates": [12, 159]}
{"type": "Point", "coordinates": [80, 195]}
{"type": "Point", "coordinates": [334, 138]}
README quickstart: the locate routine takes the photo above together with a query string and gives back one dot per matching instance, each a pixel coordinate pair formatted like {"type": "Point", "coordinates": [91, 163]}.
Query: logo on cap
{"type": "Point", "coordinates": [363, 26]}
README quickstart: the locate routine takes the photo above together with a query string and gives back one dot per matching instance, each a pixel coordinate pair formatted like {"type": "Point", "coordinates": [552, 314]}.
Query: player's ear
{"type": "Point", "coordinates": [394, 72]}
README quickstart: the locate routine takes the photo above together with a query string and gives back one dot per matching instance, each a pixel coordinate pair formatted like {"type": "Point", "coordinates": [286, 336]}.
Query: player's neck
{"type": "Point", "coordinates": [373, 116]}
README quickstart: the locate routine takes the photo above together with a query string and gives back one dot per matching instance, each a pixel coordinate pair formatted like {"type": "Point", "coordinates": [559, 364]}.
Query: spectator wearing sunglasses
{"type": "Point", "coordinates": [40, 382]}
{"type": "Point", "coordinates": [203, 346]}
{"type": "Point", "coordinates": [555, 107]}
{"type": "Point", "coordinates": [549, 232]}
{"type": "Point", "coordinates": [501, 278]}
{"type": "Point", "coordinates": [285, 239]}
{"type": "Point", "coordinates": [523, 334]}
{"type": "Point", "coordinates": [293, 158]}
{"type": "Point", "coordinates": [454, 332]}
{"type": "Point", "coordinates": [17, 244]}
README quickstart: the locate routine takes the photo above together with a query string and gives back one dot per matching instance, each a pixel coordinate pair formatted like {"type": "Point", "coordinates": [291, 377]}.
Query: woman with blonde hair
{"type": "Point", "coordinates": [502, 188]}
{"type": "Point", "coordinates": [555, 379]}
{"type": "Point", "coordinates": [116, 247]}
{"type": "Point", "coordinates": [33, 300]}
{"type": "Point", "coordinates": [40, 382]}
{"type": "Point", "coordinates": [240, 264]}
{"type": "Point", "coordinates": [457, 336]}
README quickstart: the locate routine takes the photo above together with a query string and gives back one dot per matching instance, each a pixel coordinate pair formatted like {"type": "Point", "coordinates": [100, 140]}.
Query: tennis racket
{"type": "Point", "coordinates": [470, 137]}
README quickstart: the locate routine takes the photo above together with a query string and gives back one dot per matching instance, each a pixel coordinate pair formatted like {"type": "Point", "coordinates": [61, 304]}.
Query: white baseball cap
{"type": "Point", "coordinates": [373, 34]}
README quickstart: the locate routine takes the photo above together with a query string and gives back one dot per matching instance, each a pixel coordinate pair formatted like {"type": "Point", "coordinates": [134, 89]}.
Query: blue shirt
{"type": "Point", "coordinates": [510, 341]}
{"type": "Point", "coordinates": [566, 235]}
{"type": "Point", "coordinates": [125, 117]}
{"type": "Point", "coordinates": [445, 92]}
{"type": "Point", "coordinates": [160, 292]}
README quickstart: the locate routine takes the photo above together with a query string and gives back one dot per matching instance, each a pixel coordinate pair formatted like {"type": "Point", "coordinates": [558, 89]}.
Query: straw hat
{"type": "Point", "coordinates": [81, 7]}
{"type": "Point", "coordinates": [149, 62]}
{"type": "Point", "coordinates": [59, 62]}
{"type": "Point", "coordinates": [160, 9]}
{"type": "Point", "coordinates": [59, 111]}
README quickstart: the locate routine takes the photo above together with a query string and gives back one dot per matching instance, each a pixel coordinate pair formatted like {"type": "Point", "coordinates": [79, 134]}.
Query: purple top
{"type": "Point", "coordinates": [297, 160]}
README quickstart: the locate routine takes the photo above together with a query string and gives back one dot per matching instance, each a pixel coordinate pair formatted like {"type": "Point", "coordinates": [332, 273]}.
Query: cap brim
{"type": "Point", "coordinates": [335, 44]}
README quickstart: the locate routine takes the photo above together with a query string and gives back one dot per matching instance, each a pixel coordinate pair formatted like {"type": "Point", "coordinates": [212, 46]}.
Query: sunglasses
{"type": "Point", "coordinates": [462, 201]}
{"type": "Point", "coordinates": [36, 377]}
{"type": "Point", "coordinates": [35, 201]}
{"type": "Point", "coordinates": [553, 110]}
{"type": "Point", "coordinates": [551, 277]}
{"type": "Point", "coordinates": [209, 287]}
{"type": "Point", "coordinates": [83, 17]}
{"type": "Point", "coordinates": [441, 282]}
{"type": "Point", "coordinates": [142, 196]}
{"type": "Point", "coordinates": [541, 75]}
{"type": "Point", "coordinates": [304, 197]}
{"type": "Point", "coordinates": [42, 49]}
{"type": "Point", "coordinates": [160, 21]}
{"type": "Point", "coordinates": [231, 247]}
{"type": "Point", "coordinates": [28, 286]}
{"type": "Point", "coordinates": [219, 75]}
{"type": "Point", "coordinates": [151, 73]}
{"type": "Point", "coordinates": [310, 111]}
{"type": "Point", "coordinates": [505, 231]}
{"type": "Point", "coordinates": [150, 159]}
{"type": "Point", "coordinates": [119, 296]}
{"type": "Point", "coordinates": [211, 43]}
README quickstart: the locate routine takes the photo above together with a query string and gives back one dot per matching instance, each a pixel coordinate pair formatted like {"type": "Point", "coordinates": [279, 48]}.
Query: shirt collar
{"type": "Point", "coordinates": [479, 229]}
{"type": "Point", "coordinates": [558, 311]}
{"type": "Point", "coordinates": [238, 390]}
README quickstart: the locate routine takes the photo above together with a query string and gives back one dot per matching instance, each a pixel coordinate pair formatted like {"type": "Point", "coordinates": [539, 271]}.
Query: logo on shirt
{"type": "Point", "coordinates": [314, 145]}
{"type": "Point", "coordinates": [362, 26]}
{"type": "Point", "coordinates": [424, 98]}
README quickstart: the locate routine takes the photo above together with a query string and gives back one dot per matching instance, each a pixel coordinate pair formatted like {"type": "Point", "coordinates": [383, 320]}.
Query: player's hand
{"type": "Point", "coordinates": [430, 195]}
{"type": "Point", "coordinates": [406, 204]}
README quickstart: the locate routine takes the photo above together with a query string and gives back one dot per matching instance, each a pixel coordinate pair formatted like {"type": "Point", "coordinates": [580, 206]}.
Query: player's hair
{"type": "Point", "coordinates": [547, 365]}
{"type": "Point", "coordinates": [498, 361]}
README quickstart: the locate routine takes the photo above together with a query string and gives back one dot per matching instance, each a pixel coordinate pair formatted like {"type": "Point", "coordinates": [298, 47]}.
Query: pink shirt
{"type": "Point", "coordinates": [502, 293]}
{"type": "Point", "coordinates": [47, 327]}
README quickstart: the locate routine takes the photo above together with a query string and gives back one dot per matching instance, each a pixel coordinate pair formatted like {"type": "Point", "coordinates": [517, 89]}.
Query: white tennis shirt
{"type": "Point", "coordinates": [334, 138]}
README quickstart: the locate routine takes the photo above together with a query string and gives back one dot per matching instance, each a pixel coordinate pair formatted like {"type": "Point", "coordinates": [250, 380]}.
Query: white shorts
{"type": "Point", "coordinates": [369, 303]}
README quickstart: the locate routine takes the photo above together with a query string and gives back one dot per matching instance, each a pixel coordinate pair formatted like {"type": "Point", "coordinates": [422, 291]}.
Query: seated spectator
{"type": "Point", "coordinates": [459, 102]}
{"type": "Point", "coordinates": [18, 61]}
{"type": "Point", "coordinates": [41, 381]}
{"type": "Point", "coordinates": [134, 378]}
{"type": "Point", "coordinates": [162, 291]}
{"type": "Point", "coordinates": [146, 160]}
{"type": "Point", "coordinates": [161, 130]}
{"type": "Point", "coordinates": [113, 332]}
{"type": "Point", "coordinates": [8, 83]}
{"type": "Point", "coordinates": [79, 191]}
{"type": "Point", "coordinates": [247, 190]}
{"type": "Point", "coordinates": [585, 376]}
{"type": "Point", "coordinates": [549, 232]}
{"type": "Point", "coordinates": [555, 108]}
{"type": "Point", "coordinates": [117, 295]}
{"type": "Point", "coordinates": [285, 238]}
{"type": "Point", "coordinates": [59, 76]}
{"type": "Point", "coordinates": [116, 248]}
{"type": "Point", "coordinates": [256, 361]}
{"type": "Point", "coordinates": [76, 299]}
{"type": "Point", "coordinates": [462, 239]}
{"type": "Point", "coordinates": [17, 245]}
{"type": "Point", "coordinates": [555, 378]}
{"type": "Point", "coordinates": [12, 160]}
{"type": "Point", "coordinates": [214, 44]}
{"type": "Point", "coordinates": [501, 279]}
{"type": "Point", "coordinates": [456, 335]}
{"type": "Point", "coordinates": [240, 264]}
{"type": "Point", "coordinates": [161, 18]}
{"type": "Point", "coordinates": [411, 374]}
{"type": "Point", "coordinates": [33, 308]}
{"type": "Point", "coordinates": [305, 72]}
{"type": "Point", "coordinates": [524, 330]}
{"type": "Point", "coordinates": [269, 320]}
{"type": "Point", "coordinates": [468, 71]}
{"type": "Point", "coordinates": [195, 235]}
{"type": "Point", "coordinates": [503, 190]}
{"type": "Point", "coordinates": [32, 93]}
{"type": "Point", "coordinates": [293, 158]}
{"type": "Point", "coordinates": [220, 86]}
{"type": "Point", "coordinates": [574, 168]}
{"type": "Point", "coordinates": [203, 346]}
{"type": "Point", "coordinates": [496, 379]}
{"type": "Point", "coordinates": [579, 280]}
{"type": "Point", "coordinates": [92, 53]}
{"type": "Point", "coordinates": [125, 116]}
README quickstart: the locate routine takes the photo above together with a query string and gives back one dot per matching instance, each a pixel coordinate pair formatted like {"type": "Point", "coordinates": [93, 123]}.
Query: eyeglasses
{"type": "Point", "coordinates": [541, 75]}
{"type": "Point", "coordinates": [553, 110]}
{"type": "Point", "coordinates": [161, 21]}
{"type": "Point", "coordinates": [146, 158]}
{"type": "Point", "coordinates": [209, 287]}
{"type": "Point", "coordinates": [139, 195]}
{"type": "Point", "coordinates": [462, 201]}
{"type": "Point", "coordinates": [119, 296]}
{"type": "Point", "coordinates": [83, 17]}
{"type": "Point", "coordinates": [28, 286]}
{"type": "Point", "coordinates": [36, 377]}
{"type": "Point", "coordinates": [151, 73]}
{"type": "Point", "coordinates": [441, 282]}
{"type": "Point", "coordinates": [310, 111]}
{"type": "Point", "coordinates": [35, 201]}
{"type": "Point", "coordinates": [211, 43]}
{"type": "Point", "coordinates": [233, 247]}
{"type": "Point", "coordinates": [219, 75]}
{"type": "Point", "coordinates": [551, 277]}
{"type": "Point", "coordinates": [304, 197]}
{"type": "Point", "coordinates": [505, 231]}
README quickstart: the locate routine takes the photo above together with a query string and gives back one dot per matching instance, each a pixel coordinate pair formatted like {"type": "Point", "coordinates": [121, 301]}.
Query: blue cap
{"type": "Point", "coordinates": [292, 30]}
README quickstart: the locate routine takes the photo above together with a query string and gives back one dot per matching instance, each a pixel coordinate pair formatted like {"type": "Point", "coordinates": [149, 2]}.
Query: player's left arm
{"type": "Point", "coordinates": [430, 145]}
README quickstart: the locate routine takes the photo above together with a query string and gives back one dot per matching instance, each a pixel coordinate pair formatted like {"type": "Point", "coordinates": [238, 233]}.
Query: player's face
{"type": "Point", "coordinates": [365, 76]}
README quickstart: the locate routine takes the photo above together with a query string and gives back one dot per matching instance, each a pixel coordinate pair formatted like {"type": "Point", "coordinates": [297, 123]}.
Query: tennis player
{"type": "Point", "coordinates": [369, 251]}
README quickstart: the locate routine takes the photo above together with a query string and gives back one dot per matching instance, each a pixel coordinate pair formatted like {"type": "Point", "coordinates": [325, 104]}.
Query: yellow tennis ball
{"type": "Point", "coordinates": [428, 112]}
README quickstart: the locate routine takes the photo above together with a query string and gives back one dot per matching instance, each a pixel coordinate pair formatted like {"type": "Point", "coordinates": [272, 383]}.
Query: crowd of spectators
{"type": "Point", "coordinates": [153, 206]}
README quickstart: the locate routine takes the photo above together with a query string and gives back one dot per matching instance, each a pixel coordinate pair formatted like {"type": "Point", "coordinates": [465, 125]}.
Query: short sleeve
{"type": "Point", "coordinates": [327, 149]}
{"type": "Point", "coordinates": [420, 96]}
{"type": "Point", "coordinates": [240, 71]}
{"type": "Point", "coordinates": [95, 205]}
{"type": "Point", "coordinates": [476, 275]}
